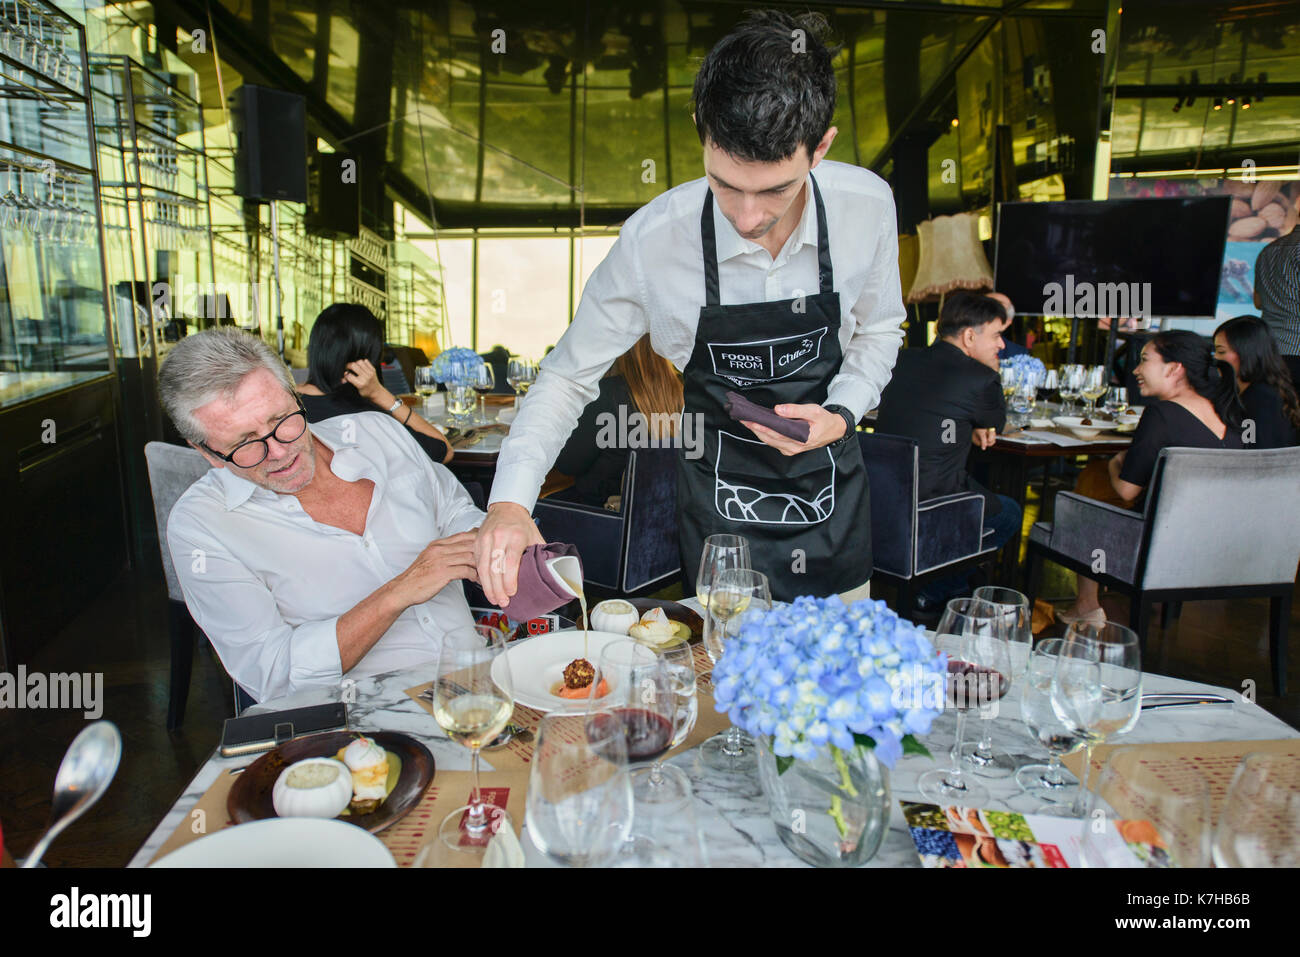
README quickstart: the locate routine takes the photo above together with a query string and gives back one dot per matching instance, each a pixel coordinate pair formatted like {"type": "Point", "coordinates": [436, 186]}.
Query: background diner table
{"type": "Point", "coordinates": [732, 809]}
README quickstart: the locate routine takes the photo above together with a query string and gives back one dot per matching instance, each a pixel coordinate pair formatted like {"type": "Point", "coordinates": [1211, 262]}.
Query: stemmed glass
{"type": "Point", "coordinates": [736, 595]}
{"type": "Point", "coordinates": [426, 384]}
{"type": "Point", "coordinates": [1260, 822]}
{"type": "Point", "coordinates": [972, 632]}
{"type": "Point", "coordinates": [1116, 400]}
{"type": "Point", "coordinates": [483, 380]}
{"type": "Point", "coordinates": [1071, 386]}
{"type": "Point", "coordinates": [665, 834]}
{"type": "Point", "coordinates": [521, 374]}
{"type": "Point", "coordinates": [579, 795]}
{"type": "Point", "coordinates": [1097, 688]}
{"type": "Point", "coordinates": [660, 784]}
{"type": "Point", "coordinates": [1095, 384]}
{"type": "Point", "coordinates": [1175, 814]}
{"type": "Point", "coordinates": [720, 552]}
{"type": "Point", "coordinates": [473, 699]}
{"type": "Point", "coordinates": [1046, 781]}
{"type": "Point", "coordinates": [460, 394]}
{"type": "Point", "coordinates": [1014, 607]}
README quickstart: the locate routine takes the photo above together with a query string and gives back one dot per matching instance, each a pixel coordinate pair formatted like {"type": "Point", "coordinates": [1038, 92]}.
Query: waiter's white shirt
{"type": "Point", "coordinates": [267, 583]}
{"type": "Point", "coordinates": [653, 281]}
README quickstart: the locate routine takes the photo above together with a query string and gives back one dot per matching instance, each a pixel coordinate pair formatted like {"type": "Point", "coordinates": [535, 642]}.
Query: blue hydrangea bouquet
{"type": "Point", "coordinates": [1028, 369]}
{"type": "Point", "coordinates": [816, 676]}
{"type": "Point", "coordinates": [456, 366]}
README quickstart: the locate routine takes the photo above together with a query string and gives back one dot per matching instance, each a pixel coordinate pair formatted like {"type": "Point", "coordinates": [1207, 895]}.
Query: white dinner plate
{"type": "Point", "coordinates": [284, 842]}
{"type": "Point", "coordinates": [537, 665]}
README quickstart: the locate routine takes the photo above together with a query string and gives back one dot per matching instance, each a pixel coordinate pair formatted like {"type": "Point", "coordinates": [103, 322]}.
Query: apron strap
{"type": "Point", "coordinates": [825, 274]}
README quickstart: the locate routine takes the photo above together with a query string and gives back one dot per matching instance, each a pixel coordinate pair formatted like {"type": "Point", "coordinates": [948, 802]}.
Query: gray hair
{"type": "Point", "coordinates": [210, 365]}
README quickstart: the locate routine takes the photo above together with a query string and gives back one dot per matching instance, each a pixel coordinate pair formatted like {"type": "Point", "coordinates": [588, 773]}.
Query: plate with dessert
{"type": "Point", "coordinates": [369, 779]}
{"type": "Point", "coordinates": [554, 672]}
{"type": "Point", "coordinates": [648, 619]}
{"type": "Point", "coordinates": [1085, 427]}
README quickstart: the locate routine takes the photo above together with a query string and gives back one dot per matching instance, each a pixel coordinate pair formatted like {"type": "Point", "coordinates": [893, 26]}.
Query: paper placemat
{"type": "Point", "coordinates": [1215, 761]}
{"type": "Point", "coordinates": [404, 839]}
{"type": "Point", "coordinates": [518, 754]}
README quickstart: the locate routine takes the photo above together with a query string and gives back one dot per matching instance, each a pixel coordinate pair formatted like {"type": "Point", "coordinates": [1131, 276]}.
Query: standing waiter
{"type": "Point", "coordinates": [764, 279]}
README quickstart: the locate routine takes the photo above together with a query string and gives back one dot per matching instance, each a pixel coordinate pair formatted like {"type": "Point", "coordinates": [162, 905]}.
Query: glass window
{"type": "Point", "coordinates": [523, 293]}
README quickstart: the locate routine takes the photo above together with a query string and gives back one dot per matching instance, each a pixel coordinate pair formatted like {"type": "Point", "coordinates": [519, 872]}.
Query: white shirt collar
{"type": "Point", "coordinates": [731, 244]}
{"type": "Point", "coordinates": [348, 464]}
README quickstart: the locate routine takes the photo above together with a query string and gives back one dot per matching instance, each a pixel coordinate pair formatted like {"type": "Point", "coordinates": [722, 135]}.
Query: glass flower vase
{"type": "Point", "coordinates": [832, 811]}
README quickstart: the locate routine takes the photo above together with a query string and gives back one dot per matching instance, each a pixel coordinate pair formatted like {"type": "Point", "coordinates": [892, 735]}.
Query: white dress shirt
{"type": "Point", "coordinates": [267, 583]}
{"type": "Point", "coordinates": [653, 281]}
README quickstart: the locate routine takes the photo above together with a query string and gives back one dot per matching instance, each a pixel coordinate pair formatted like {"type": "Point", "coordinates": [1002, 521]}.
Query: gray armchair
{"type": "Point", "coordinates": [173, 469]}
{"type": "Point", "coordinates": [1217, 524]}
{"type": "Point", "coordinates": [915, 541]}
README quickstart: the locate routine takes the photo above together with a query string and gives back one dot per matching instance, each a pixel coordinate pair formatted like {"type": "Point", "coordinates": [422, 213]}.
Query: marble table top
{"type": "Point", "coordinates": [732, 811]}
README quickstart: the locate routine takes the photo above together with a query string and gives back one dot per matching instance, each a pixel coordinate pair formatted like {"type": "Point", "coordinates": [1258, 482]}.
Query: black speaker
{"type": "Point", "coordinates": [270, 143]}
{"type": "Point", "coordinates": [333, 196]}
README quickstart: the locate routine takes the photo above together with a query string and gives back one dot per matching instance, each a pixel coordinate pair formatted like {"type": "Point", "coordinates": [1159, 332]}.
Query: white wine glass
{"type": "Point", "coordinates": [1097, 689]}
{"type": "Point", "coordinates": [1047, 781]}
{"type": "Point", "coordinates": [473, 698]}
{"type": "Point", "coordinates": [720, 552]}
{"type": "Point", "coordinates": [521, 374]}
{"type": "Point", "coordinates": [736, 596]}
{"type": "Point", "coordinates": [579, 795]}
{"type": "Point", "coordinates": [971, 632]}
{"type": "Point", "coordinates": [1095, 384]}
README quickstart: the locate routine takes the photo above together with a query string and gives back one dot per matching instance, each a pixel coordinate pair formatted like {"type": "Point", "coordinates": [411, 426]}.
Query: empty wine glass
{"type": "Point", "coordinates": [1260, 822]}
{"type": "Point", "coordinates": [1138, 817]}
{"type": "Point", "coordinates": [579, 796]}
{"type": "Point", "coordinates": [664, 834]}
{"type": "Point", "coordinates": [981, 757]}
{"type": "Point", "coordinates": [1097, 689]}
{"type": "Point", "coordinates": [1047, 781]}
{"type": "Point", "coordinates": [736, 595]}
{"type": "Point", "coordinates": [972, 633]}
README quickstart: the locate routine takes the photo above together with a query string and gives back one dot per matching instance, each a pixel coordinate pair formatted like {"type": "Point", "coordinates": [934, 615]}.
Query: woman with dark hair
{"type": "Point", "coordinates": [645, 383]}
{"type": "Point", "coordinates": [1267, 394]}
{"type": "Point", "coordinates": [344, 353]}
{"type": "Point", "coordinates": [1192, 402]}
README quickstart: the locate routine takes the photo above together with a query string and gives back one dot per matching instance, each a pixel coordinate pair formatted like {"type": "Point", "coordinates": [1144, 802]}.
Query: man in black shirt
{"type": "Point", "coordinates": [949, 397]}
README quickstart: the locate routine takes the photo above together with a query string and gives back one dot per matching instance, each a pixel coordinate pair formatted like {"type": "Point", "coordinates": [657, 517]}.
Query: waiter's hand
{"type": "Point", "coordinates": [824, 428]}
{"type": "Point", "coordinates": [502, 538]}
{"type": "Point", "coordinates": [983, 438]}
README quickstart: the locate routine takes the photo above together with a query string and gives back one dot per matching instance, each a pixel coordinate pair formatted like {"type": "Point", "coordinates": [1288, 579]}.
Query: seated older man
{"type": "Point", "coordinates": [307, 554]}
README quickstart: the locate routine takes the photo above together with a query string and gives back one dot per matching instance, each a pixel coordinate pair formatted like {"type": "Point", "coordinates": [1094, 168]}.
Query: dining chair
{"type": "Point", "coordinates": [630, 550]}
{"type": "Point", "coordinates": [914, 540]}
{"type": "Point", "coordinates": [172, 470]}
{"type": "Point", "coordinates": [1217, 523]}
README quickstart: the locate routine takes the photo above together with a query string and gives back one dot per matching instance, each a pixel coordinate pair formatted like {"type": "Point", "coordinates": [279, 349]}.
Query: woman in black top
{"type": "Point", "coordinates": [343, 353]}
{"type": "Point", "coordinates": [647, 389]}
{"type": "Point", "coordinates": [1246, 343]}
{"type": "Point", "coordinates": [1192, 402]}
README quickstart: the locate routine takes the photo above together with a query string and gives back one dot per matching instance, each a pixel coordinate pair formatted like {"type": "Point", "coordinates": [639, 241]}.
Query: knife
{"type": "Point", "coordinates": [1153, 701]}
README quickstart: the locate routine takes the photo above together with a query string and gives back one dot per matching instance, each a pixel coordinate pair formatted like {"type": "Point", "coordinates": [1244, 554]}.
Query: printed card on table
{"type": "Point", "coordinates": [953, 836]}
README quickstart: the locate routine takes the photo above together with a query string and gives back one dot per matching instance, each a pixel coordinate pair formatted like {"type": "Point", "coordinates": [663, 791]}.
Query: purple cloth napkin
{"type": "Point", "coordinates": [539, 591]}
{"type": "Point", "coordinates": [741, 409]}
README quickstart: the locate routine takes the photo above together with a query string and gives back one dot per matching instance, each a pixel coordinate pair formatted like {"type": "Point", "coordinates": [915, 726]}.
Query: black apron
{"type": "Point", "coordinates": [807, 517]}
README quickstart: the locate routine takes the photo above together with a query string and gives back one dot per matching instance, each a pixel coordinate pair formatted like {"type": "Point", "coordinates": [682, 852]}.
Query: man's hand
{"type": "Point", "coordinates": [824, 428]}
{"type": "Point", "coordinates": [441, 562]}
{"type": "Point", "coordinates": [362, 375]}
{"type": "Point", "coordinates": [502, 538]}
{"type": "Point", "coordinates": [983, 438]}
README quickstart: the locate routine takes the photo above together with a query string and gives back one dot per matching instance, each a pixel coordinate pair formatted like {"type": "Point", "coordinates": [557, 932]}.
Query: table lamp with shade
{"type": "Point", "coordinates": [951, 257]}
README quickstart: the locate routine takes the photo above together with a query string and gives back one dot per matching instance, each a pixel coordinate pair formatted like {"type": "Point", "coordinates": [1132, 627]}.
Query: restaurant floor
{"type": "Point", "coordinates": [124, 635]}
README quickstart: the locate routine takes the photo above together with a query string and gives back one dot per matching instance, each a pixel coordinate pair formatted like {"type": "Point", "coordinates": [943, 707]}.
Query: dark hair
{"type": "Point", "coordinates": [343, 333]}
{"type": "Point", "coordinates": [764, 90]}
{"type": "Point", "coordinates": [1210, 377]}
{"type": "Point", "coordinates": [964, 310]}
{"type": "Point", "coordinates": [1260, 360]}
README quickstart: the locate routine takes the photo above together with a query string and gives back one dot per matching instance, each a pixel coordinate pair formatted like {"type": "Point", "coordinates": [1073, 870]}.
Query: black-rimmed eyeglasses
{"type": "Point", "coordinates": [253, 453]}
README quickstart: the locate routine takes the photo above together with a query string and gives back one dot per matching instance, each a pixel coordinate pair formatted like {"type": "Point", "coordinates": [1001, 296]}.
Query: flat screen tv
{"type": "Point", "coordinates": [1144, 258]}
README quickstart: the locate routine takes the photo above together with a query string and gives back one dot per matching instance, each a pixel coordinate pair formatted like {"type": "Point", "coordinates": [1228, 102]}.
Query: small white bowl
{"type": "Point", "coordinates": [1075, 424]}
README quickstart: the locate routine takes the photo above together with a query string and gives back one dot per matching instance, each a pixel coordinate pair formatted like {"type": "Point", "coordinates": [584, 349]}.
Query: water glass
{"type": "Point", "coordinates": [579, 795]}
{"type": "Point", "coordinates": [1047, 781]}
{"type": "Point", "coordinates": [736, 596]}
{"type": "Point", "coordinates": [1139, 817]}
{"type": "Point", "coordinates": [1260, 822]}
{"type": "Point", "coordinates": [981, 757]}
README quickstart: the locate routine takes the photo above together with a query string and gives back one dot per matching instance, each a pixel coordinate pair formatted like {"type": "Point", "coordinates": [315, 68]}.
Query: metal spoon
{"type": "Point", "coordinates": [84, 775]}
